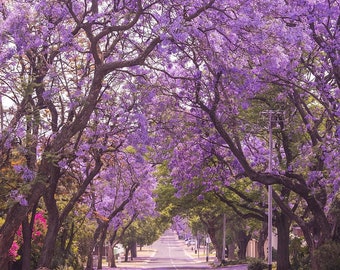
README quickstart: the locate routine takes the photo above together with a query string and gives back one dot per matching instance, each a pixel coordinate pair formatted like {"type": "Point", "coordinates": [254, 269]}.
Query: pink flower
{"type": "Point", "coordinates": [13, 252]}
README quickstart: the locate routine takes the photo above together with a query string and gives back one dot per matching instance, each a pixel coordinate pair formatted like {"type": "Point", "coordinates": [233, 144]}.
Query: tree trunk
{"type": "Point", "coordinates": [101, 245]}
{"type": "Point", "coordinates": [27, 244]}
{"type": "Point", "coordinates": [15, 216]}
{"type": "Point", "coordinates": [134, 249]}
{"type": "Point", "coordinates": [49, 243]}
{"type": "Point", "coordinates": [126, 257]}
{"type": "Point", "coordinates": [48, 248]}
{"type": "Point", "coordinates": [283, 225]}
{"type": "Point", "coordinates": [262, 239]}
{"type": "Point", "coordinates": [112, 257]}
{"type": "Point", "coordinates": [89, 263]}
{"type": "Point", "coordinates": [314, 264]}
{"type": "Point", "coordinates": [231, 252]}
{"type": "Point", "coordinates": [66, 241]}
{"type": "Point", "coordinates": [242, 242]}
{"type": "Point", "coordinates": [93, 245]}
{"type": "Point", "coordinates": [217, 245]}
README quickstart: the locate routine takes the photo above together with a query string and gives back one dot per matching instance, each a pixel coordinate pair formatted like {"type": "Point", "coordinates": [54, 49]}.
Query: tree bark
{"type": "Point", "coordinates": [94, 244]}
{"type": "Point", "coordinates": [101, 245]}
{"type": "Point", "coordinates": [47, 251]}
{"type": "Point", "coordinates": [231, 251]}
{"type": "Point", "coordinates": [112, 257]}
{"type": "Point", "coordinates": [49, 243]}
{"type": "Point", "coordinates": [126, 257]}
{"type": "Point", "coordinates": [14, 218]}
{"type": "Point", "coordinates": [262, 239]}
{"type": "Point", "coordinates": [242, 242]}
{"type": "Point", "coordinates": [134, 249]}
{"type": "Point", "coordinates": [212, 234]}
{"type": "Point", "coordinates": [283, 225]}
{"type": "Point", "coordinates": [27, 245]}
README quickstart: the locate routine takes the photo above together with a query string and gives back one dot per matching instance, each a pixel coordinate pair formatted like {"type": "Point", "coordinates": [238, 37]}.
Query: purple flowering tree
{"type": "Point", "coordinates": [122, 191]}
{"type": "Point", "coordinates": [251, 58]}
{"type": "Point", "coordinates": [62, 61]}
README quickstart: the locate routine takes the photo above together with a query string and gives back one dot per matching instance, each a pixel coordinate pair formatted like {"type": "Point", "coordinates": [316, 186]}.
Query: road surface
{"type": "Point", "coordinates": [172, 254]}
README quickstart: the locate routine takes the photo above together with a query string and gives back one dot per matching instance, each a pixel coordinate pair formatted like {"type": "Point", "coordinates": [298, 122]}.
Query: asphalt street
{"type": "Point", "coordinates": [170, 253]}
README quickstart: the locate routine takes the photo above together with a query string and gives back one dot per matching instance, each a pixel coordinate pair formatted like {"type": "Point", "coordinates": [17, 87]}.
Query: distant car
{"type": "Point", "coordinates": [192, 242]}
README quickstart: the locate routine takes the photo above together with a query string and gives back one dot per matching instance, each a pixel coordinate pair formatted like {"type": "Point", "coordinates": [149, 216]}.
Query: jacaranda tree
{"type": "Point", "coordinates": [73, 69]}
{"type": "Point", "coordinates": [278, 59]}
{"type": "Point", "coordinates": [59, 61]}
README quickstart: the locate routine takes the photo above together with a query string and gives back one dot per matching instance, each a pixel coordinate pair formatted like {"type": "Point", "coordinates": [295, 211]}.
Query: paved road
{"type": "Point", "coordinates": [171, 253]}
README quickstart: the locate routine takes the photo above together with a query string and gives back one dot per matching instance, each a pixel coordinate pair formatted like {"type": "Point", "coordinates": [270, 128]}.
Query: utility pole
{"type": "Point", "coordinates": [272, 115]}
{"type": "Point", "coordinates": [270, 195]}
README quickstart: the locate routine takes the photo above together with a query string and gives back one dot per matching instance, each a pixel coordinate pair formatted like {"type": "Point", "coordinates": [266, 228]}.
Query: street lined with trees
{"type": "Point", "coordinates": [118, 112]}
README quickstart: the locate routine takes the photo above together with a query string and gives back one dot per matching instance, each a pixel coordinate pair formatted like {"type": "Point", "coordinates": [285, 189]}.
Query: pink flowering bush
{"type": "Point", "coordinates": [13, 252]}
{"type": "Point", "coordinates": [39, 230]}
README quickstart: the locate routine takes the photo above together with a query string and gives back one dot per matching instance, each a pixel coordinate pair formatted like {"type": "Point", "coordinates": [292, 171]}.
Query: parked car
{"type": "Point", "coordinates": [193, 242]}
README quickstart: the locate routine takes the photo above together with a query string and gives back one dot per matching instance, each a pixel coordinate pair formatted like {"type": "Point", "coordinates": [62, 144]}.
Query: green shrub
{"type": "Point", "coordinates": [257, 264]}
{"type": "Point", "coordinates": [299, 254]}
{"type": "Point", "coordinates": [328, 256]}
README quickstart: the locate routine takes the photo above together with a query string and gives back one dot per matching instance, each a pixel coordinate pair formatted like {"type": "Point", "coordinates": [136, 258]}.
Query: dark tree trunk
{"type": "Point", "coordinates": [15, 216]}
{"type": "Point", "coordinates": [49, 243]}
{"type": "Point", "coordinates": [101, 244]}
{"type": "Point", "coordinates": [93, 245]}
{"type": "Point", "coordinates": [66, 241]}
{"type": "Point", "coordinates": [126, 257]}
{"type": "Point", "coordinates": [283, 225]}
{"type": "Point", "coordinates": [48, 248]}
{"type": "Point", "coordinates": [262, 239]}
{"type": "Point", "coordinates": [27, 245]}
{"type": "Point", "coordinates": [134, 249]}
{"type": "Point", "coordinates": [217, 245]}
{"type": "Point", "coordinates": [231, 251]}
{"type": "Point", "coordinates": [242, 242]}
{"type": "Point", "coordinates": [89, 263]}
{"type": "Point", "coordinates": [112, 257]}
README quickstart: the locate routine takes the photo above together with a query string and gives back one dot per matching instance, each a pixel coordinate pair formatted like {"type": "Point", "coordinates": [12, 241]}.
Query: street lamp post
{"type": "Point", "coordinates": [272, 115]}
{"type": "Point", "coordinates": [270, 195]}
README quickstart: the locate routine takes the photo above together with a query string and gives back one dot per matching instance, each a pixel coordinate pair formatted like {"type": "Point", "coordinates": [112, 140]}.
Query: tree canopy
{"type": "Point", "coordinates": [99, 91]}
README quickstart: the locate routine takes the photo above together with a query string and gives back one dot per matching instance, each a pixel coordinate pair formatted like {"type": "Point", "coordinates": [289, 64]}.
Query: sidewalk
{"type": "Point", "coordinates": [200, 256]}
{"type": "Point", "coordinates": [143, 256]}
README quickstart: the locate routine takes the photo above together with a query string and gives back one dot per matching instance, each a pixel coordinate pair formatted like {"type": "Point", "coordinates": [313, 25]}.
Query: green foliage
{"type": "Point", "coordinates": [130, 150]}
{"type": "Point", "coordinates": [328, 256]}
{"type": "Point", "coordinates": [11, 180]}
{"type": "Point", "coordinates": [256, 264]}
{"type": "Point", "coordinates": [148, 230]}
{"type": "Point", "coordinates": [300, 258]}
{"type": "Point", "coordinates": [196, 225]}
{"type": "Point", "coordinates": [64, 268]}
{"type": "Point", "coordinates": [168, 205]}
{"type": "Point", "coordinates": [84, 236]}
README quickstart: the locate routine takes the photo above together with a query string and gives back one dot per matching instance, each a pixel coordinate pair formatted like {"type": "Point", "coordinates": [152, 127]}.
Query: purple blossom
{"type": "Point", "coordinates": [27, 174]}
{"type": "Point", "coordinates": [20, 198]}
